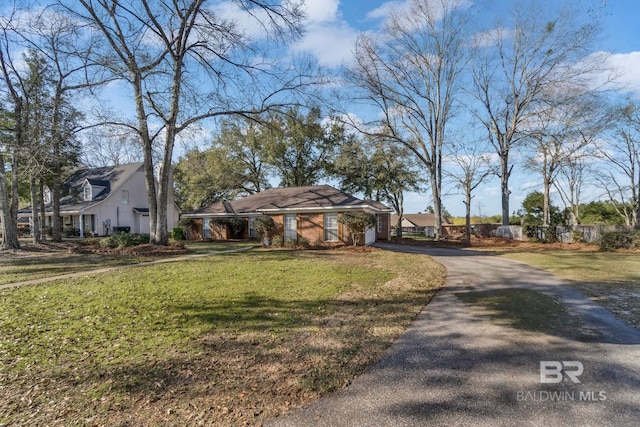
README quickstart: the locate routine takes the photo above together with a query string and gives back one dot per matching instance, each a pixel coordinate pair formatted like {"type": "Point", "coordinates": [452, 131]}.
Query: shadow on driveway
{"type": "Point", "coordinates": [456, 366]}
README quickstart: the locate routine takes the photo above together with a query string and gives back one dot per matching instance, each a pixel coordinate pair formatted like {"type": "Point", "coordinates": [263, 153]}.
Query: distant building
{"type": "Point", "coordinates": [101, 201]}
{"type": "Point", "coordinates": [422, 224]}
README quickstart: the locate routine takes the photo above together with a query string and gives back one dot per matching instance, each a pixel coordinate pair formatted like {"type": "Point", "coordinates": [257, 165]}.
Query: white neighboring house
{"type": "Point", "coordinates": [102, 201]}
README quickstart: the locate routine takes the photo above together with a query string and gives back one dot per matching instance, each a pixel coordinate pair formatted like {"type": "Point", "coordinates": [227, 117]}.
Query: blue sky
{"type": "Point", "coordinates": [333, 25]}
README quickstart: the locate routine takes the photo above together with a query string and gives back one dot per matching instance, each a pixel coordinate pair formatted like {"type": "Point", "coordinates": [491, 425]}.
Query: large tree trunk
{"type": "Point", "coordinates": [151, 192]}
{"type": "Point", "coordinates": [9, 228]}
{"type": "Point", "coordinates": [56, 221]}
{"type": "Point", "coordinates": [437, 209]}
{"type": "Point", "coordinates": [467, 217]}
{"type": "Point", "coordinates": [35, 206]}
{"type": "Point", "coordinates": [162, 234]}
{"type": "Point", "coordinates": [505, 173]}
{"type": "Point", "coordinates": [15, 201]}
{"type": "Point", "coordinates": [43, 211]}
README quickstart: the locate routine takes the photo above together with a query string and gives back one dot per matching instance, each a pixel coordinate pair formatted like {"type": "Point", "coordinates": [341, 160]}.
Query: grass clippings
{"type": "Point", "coordinates": [224, 340]}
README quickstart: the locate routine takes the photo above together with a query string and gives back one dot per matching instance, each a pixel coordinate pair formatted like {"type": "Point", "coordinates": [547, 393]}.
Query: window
{"type": "Point", "coordinates": [125, 197]}
{"type": "Point", "coordinates": [290, 227]}
{"type": "Point", "coordinates": [86, 193]}
{"type": "Point", "coordinates": [331, 227]}
{"type": "Point", "coordinates": [252, 230]}
{"type": "Point", "coordinates": [379, 223]}
{"type": "Point", "coordinates": [206, 228]}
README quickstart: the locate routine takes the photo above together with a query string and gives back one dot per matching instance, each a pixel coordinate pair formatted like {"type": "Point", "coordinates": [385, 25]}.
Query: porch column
{"type": "Point", "coordinates": [81, 225]}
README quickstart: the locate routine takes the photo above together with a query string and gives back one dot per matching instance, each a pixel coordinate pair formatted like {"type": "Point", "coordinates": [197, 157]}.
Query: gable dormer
{"type": "Point", "coordinates": [92, 188]}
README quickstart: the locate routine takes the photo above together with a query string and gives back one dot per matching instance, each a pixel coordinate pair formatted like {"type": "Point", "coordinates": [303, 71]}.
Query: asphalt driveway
{"type": "Point", "coordinates": [456, 367]}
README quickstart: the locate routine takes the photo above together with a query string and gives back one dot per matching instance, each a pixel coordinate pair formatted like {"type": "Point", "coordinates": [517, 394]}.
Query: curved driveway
{"type": "Point", "coordinates": [455, 367]}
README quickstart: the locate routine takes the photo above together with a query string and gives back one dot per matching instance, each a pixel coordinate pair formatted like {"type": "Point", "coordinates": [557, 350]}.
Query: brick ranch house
{"type": "Point", "coordinates": [309, 213]}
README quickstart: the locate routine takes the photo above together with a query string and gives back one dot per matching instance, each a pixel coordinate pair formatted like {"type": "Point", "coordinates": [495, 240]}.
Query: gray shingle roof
{"type": "Point", "coordinates": [322, 197]}
{"type": "Point", "coordinates": [109, 177]}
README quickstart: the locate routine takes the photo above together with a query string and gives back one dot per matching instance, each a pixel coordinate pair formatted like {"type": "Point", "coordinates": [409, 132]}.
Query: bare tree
{"type": "Point", "coordinates": [516, 63]}
{"type": "Point", "coordinates": [12, 85]}
{"type": "Point", "coordinates": [412, 75]}
{"type": "Point", "coordinates": [572, 176]}
{"type": "Point", "coordinates": [184, 62]}
{"type": "Point", "coordinates": [469, 166]}
{"type": "Point", "coordinates": [111, 145]}
{"type": "Point", "coordinates": [621, 150]}
{"type": "Point", "coordinates": [60, 43]}
{"type": "Point", "coordinates": [560, 132]}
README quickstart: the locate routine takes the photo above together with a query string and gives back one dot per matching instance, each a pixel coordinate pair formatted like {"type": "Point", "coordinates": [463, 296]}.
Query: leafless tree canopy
{"type": "Point", "coordinates": [411, 73]}
{"type": "Point", "coordinates": [517, 63]}
{"type": "Point", "coordinates": [184, 62]}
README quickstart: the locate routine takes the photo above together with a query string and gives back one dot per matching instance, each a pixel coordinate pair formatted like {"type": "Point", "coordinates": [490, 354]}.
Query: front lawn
{"type": "Point", "coordinates": [610, 279]}
{"type": "Point", "coordinates": [56, 259]}
{"type": "Point", "coordinates": [224, 340]}
{"type": "Point", "coordinates": [21, 267]}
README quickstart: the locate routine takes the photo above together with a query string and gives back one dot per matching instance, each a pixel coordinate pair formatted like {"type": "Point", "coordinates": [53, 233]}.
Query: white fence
{"type": "Point", "coordinates": [581, 233]}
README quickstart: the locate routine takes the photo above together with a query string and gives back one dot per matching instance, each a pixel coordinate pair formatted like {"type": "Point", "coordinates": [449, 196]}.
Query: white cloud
{"type": "Point", "coordinates": [435, 8]}
{"type": "Point", "coordinates": [328, 37]}
{"type": "Point", "coordinates": [321, 10]}
{"type": "Point", "coordinates": [388, 8]}
{"type": "Point", "coordinates": [330, 42]}
{"type": "Point", "coordinates": [625, 66]}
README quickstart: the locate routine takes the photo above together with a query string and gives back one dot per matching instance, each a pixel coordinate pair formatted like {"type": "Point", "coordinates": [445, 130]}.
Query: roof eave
{"type": "Point", "coordinates": [366, 208]}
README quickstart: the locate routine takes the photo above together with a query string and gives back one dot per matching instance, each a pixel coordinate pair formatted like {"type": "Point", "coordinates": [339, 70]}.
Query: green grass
{"type": "Point", "coordinates": [218, 338]}
{"type": "Point", "coordinates": [620, 269]}
{"type": "Point", "coordinates": [17, 269]}
{"type": "Point", "coordinates": [36, 265]}
{"type": "Point", "coordinates": [610, 279]}
{"type": "Point", "coordinates": [196, 247]}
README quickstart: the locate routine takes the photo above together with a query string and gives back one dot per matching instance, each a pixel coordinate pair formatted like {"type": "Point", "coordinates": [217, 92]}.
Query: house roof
{"type": "Point", "coordinates": [311, 198]}
{"type": "Point", "coordinates": [417, 220]}
{"type": "Point", "coordinates": [109, 178]}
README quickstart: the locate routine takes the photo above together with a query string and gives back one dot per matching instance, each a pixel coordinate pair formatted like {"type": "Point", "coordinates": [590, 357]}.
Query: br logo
{"type": "Point", "coordinates": [552, 371]}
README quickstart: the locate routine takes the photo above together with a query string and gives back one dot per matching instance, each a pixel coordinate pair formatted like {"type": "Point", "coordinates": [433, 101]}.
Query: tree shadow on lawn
{"type": "Point", "coordinates": [255, 358]}
{"type": "Point", "coordinates": [255, 313]}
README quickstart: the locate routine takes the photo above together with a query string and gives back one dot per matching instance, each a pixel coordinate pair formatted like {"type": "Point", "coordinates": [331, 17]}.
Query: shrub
{"type": "Point", "coordinates": [70, 232]}
{"type": "Point", "coordinates": [577, 236]}
{"type": "Point", "coordinates": [357, 224]}
{"type": "Point", "coordinates": [124, 240]}
{"type": "Point", "coordinates": [177, 233]}
{"type": "Point", "coordinates": [304, 242]}
{"type": "Point", "coordinates": [265, 227]}
{"type": "Point", "coordinates": [290, 243]}
{"type": "Point", "coordinates": [542, 234]}
{"type": "Point", "coordinates": [610, 241]}
{"type": "Point", "coordinates": [190, 228]}
{"type": "Point", "coordinates": [277, 241]}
